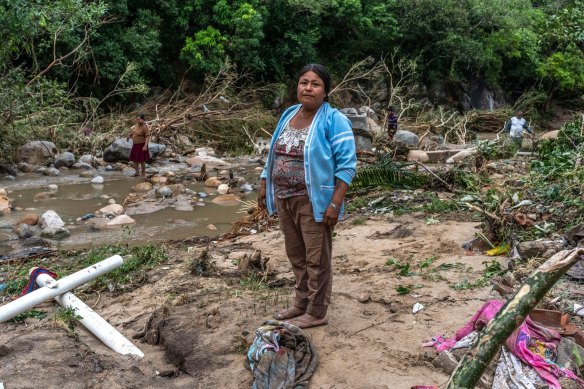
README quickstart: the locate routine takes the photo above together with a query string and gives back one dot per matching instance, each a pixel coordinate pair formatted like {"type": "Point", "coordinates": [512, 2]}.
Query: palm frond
{"type": "Point", "coordinates": [384, 172]}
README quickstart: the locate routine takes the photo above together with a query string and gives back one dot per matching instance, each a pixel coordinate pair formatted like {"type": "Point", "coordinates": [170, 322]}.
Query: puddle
{"type": "Point", "coordinates": [77, 196]}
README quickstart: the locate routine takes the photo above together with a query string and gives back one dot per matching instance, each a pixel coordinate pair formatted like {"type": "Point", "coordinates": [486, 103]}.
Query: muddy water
{"type": "Point", "coordinates": [76, 197]}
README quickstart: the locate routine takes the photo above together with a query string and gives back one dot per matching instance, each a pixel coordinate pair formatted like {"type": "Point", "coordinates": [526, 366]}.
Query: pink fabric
{"type": "Point", "coordinates": [476, 323]}
{"type": "Point", "coordinates": [527, 334]}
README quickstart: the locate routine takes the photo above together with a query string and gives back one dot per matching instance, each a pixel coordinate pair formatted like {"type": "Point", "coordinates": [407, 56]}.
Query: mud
{"type": "Point", "coordinates": [194, 330]}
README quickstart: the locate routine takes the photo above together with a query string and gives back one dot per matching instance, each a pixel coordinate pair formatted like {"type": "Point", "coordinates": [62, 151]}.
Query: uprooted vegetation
{"type": "Point", "coordinates": [518, 198]}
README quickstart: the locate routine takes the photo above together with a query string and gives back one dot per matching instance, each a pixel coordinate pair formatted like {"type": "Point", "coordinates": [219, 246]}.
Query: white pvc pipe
{"type": "Point", "coordinates": [57, 287]}
{"type": "Point", "coordinates": [93, 322]}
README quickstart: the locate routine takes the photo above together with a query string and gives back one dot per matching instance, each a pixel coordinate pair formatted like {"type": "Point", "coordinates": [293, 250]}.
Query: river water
{"type": "Point", "coordinates": [76, 197]}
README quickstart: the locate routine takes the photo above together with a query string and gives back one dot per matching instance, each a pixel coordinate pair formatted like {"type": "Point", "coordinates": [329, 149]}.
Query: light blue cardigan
{"type": "Point", "coordinates": [329, 153]}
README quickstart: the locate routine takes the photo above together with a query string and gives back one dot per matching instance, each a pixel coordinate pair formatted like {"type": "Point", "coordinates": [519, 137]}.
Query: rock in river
{"type": "Point", "coordinates": [50, 219]}
{"type": "Point", "coordinates": [32, 219]}
{"type": "Point", "coordinates": [66, 159]}
{"type": "Point", "coordinates": [227, 199]}
{"type": "Point", "coordinates": [37, 152]}
{"type": "Point", "coordinates": [121, 220]}
{"type": "Point", "coordinates": [120, 150]}
{"type": "Point", "coordinates": [111, 210]}
{"type": "Point", "coordinates": [57, 233]}
{"type": "Point", "coordinates": [142, 187]}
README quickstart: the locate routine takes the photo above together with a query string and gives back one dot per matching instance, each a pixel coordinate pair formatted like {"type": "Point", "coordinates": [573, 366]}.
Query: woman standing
{"type": "Point", "coordinates": [139, 155]}
{"type": "Point", "coordinates": [309, 168]}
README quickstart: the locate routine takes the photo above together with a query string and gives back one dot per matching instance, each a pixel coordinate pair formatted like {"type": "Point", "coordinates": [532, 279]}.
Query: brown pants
{"type": "Point", "coordinates": [309, 248]}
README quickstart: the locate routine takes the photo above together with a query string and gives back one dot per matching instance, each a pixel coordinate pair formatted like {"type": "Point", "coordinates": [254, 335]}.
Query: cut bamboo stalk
{"type": "Point", "coordinates": [475, 361]}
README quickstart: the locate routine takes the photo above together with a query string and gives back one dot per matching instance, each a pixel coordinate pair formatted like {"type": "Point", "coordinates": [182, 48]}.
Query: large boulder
{"type": "Point", "coordinates": [120, 150]}
{"type": "Point", "coordinates": [407, 139]}
{"type": "Point", "coordinates": [66, 159]}
{"type": "Point", "coordinates": [50, 219]}
{"type": "Point", "coordinates": [38, 152]}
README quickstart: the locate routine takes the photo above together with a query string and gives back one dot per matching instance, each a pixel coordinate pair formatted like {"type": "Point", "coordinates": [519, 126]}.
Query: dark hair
{"type": "Point", "coordinates": [141, 116]}
{"type": "Point", "coordinates": [390, 108]}
{"type": "Point", "coordinates": [321, 72]}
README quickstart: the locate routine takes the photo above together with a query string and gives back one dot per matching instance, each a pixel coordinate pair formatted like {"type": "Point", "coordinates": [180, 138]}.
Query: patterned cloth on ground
{"type": "Point", "coordinates": [281, 357]}
{"type": "Point", "coordinates": [531, 342]}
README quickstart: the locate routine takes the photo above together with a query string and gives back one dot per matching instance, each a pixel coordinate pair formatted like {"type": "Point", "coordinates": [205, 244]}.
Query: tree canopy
{"type": "Point", "coordinates": [90, 46]}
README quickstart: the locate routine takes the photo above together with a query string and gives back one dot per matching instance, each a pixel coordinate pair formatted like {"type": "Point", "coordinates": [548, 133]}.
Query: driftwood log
{"type": "Point", "coordinates": [471, 366]}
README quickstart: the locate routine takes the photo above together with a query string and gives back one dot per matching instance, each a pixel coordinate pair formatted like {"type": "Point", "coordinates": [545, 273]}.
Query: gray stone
{"type": "Point", "coordinates": [56, 233]}
{"type": "Point", "coordinates": [120, 149]}
{"type": "Point", "coordinates": [86, 174]}
{"type": "Point", "coordinates": [50, 219]}
{"type": "Point", "coordinates": [359, 122]}
{"type": "Point", "coordinates": [88, 159]}
{"type": "Point", "coordinates": [37, 152]}
{"type": "Point", "coordinates": [66, 159]}
{"type": "Point", "coordinates": [51, 172]}
{"type": "Point", "coordinates": [164, 191]}
{"type": "Point", "coordinates": [367, 111]}
{"type": "Point", "coordinates": [82, 165]}
{"type": "Point", "coordinates": [97, 180]}
{"type": "Point", "coordinates": [23, 231]}
{"type": "Point", "coordinates": [349, 111]}
{"type": "Point", "coordinates": [539, 248]}
{"type": "Point", "coordinates": [407, 139]}
{"type": "Point", "coordinates": [246, 188]}
{"type": "Point", "coordinates": [26, 168]}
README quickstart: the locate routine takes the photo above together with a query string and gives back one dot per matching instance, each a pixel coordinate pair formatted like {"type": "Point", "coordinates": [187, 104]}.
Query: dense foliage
{"type": "Point", "coordinates": [89, 45]}
{"type": "Point", "coordinates": [90, 56]}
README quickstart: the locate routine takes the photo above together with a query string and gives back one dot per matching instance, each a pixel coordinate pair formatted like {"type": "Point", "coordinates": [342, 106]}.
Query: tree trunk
{"type": "Point", "coordinates": [475, 361]}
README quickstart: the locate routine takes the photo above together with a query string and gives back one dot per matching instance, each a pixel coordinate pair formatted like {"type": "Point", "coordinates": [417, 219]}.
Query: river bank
{"type": "Point", "coordinates": [218, 313]}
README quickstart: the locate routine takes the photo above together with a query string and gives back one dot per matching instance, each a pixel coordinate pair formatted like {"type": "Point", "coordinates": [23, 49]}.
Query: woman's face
{"type": "Point", "coordinates": [310, 91]}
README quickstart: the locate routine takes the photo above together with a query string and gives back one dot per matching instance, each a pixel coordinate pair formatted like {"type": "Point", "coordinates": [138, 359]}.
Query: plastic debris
{"type": "Point", "coordinates": [417, 308]}
{"type": "Point", "coordinates": [501, 249]}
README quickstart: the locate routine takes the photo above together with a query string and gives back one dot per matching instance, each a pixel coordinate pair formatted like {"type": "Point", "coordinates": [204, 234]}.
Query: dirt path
{"type": "Point", "coordinates": [373, 344]}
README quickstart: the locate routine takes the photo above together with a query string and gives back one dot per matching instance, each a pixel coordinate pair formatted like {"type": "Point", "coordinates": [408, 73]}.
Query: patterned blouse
{"type": "Point", "coordinates": [288, 172]}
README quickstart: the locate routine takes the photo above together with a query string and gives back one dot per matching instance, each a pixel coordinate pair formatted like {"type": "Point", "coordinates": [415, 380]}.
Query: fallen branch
{"type": "Point", "coordinates": [475, 208]}
{"type": "Point", "coordinates": [475, 361]}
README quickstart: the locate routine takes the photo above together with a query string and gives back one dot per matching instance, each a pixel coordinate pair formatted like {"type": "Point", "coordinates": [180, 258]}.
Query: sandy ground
{"type": "Point", "coordinates": [373, 344]}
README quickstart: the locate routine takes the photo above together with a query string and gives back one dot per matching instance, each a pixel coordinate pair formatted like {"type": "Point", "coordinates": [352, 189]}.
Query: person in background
{"type": "Point", "coordinates": [310, 165]}
{"type": "Point", "coordinates": [391, 123]}
{"type": "Point", "coordinates": [139, 155]}
{"type": "Point", "coordinates": [515, 127]}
